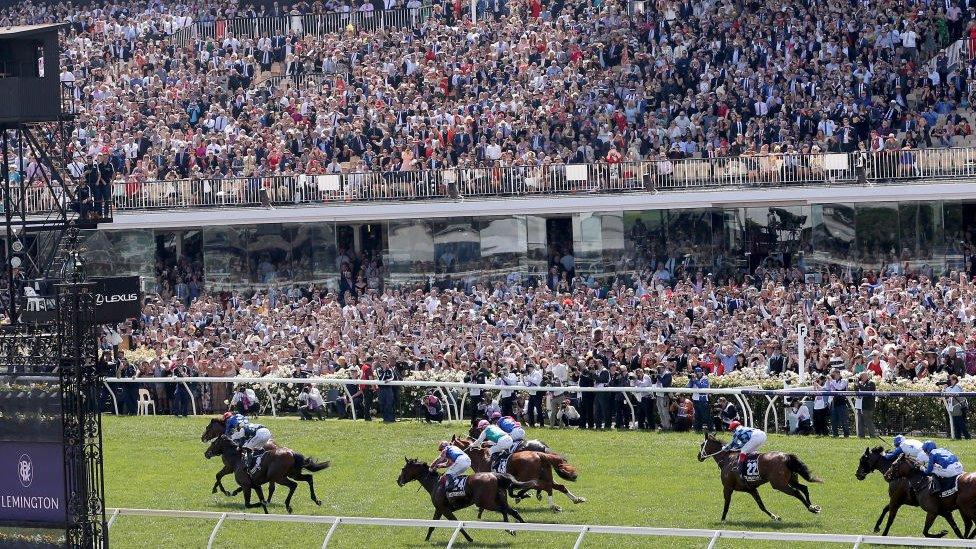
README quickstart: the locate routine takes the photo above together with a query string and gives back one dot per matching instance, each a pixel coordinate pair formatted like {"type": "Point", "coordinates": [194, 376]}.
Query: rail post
{"type": "Point", "coordinates": [332, 529]}
{"type": "Point", "coordinates": [454, 536]}
{"type": "Point", "coordinates": [579, 538]}
{"type": "Point", "coordinates": [857, 542]}
{"type": "Point", "coordinates": [714, 540]}
{"type": "Point", "coordinates": [213, 535]}
{"type": "Point", "coordinates": [115, 402]}
{"type": "Point", "coordinates": [111, 520]}
{"type": "Point", "coordinates": [189, 393]}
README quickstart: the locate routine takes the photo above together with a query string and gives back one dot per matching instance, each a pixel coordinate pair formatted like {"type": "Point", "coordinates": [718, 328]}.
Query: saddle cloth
{"type": "Point", "coordinates": [519, 446]}
{"type": "Point", "coordinates": [947, 486]}
{"type": "Point", "coordinates": [501, 466]}
{"type": "Point", "coordinates": [455, 488]}
{"type": "Point", "coordinates": [752, 468]}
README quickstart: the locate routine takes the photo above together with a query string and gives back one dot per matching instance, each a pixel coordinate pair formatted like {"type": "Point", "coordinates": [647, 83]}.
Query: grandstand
{"type": "Point", "coordinates": [756, 192]}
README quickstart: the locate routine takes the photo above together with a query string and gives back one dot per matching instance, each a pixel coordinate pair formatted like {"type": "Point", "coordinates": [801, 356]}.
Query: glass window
{"type": "Point", "coordinates": [225, 256]}
{"type": "Point", "coordinates": [503, 244]}
{"type": "Point", "coordinates": [644, 236]}
{"type": "Point", "coordinates": [457, 248]}
{"type": "Point", "coordinates": [122, 252]}
{"type": "Point", "coordinates": [878, 241]}
{"type": "Point", "coordinates": [537, 249]}
{"type": "Point", "coordinates": [921, 235]}
{"type": "Point", "coordinates": [411, 254]}
{"type": "Point", "coordinates": [588, 243]}
{"type": "Point", "coordinates": [689, 238]}
{"type": "Point", "coordinates": [833, 237]}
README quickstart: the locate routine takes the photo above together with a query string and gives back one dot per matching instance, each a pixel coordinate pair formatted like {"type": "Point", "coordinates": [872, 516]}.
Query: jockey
{"type": "Point", "coordinates": [453, 457]}
{"type": "Point", "coordinates": [252, 438]}
{"type": "Point", "coordinates": [500, 442]}
{"type": "Point", "coordinates": [513, 428]}
{"type": "Point", "coordinates": [908, 446]}
{"type": "Point", "coordinates": [494, 417]}
{"type": "Point", "coordinates": [232, 421]}
{"type": "Point", "coordinates": [746, 441]}
{"type": "Point", "coordinates": [940, 461]}
{"type": "Point", "coordinates": [481, 426]}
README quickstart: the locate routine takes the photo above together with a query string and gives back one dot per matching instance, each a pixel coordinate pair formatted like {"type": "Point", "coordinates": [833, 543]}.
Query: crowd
{"type": "Point", "coordinates": [530, 83]}
{"type": "Point", "coordinates": [638, 331]}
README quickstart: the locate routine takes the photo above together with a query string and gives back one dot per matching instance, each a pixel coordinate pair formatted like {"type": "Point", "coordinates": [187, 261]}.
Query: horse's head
{"type": "Point", "coordinates": [708, 447]}
{"type": "Point", "coordinates": [214, 429]}
{"type": "Point", "coordinates": [461, 443]}
{"type": "Point", "coordinates": [412, 470]}
{"type": "Point", "coordinates": [901, 468]}
{"type": "Point", "coordinates": [217, 447]}
{"type": "Point", "coordinates": [870, 461]}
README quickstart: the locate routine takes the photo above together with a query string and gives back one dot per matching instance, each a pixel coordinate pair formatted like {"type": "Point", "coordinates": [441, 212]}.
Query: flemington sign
{"type": "Point", "coordinates": [32, 483]}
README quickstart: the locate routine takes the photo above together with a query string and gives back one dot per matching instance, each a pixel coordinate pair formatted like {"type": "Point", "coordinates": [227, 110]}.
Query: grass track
{"type": "Point", "coordinates": [629, 478]}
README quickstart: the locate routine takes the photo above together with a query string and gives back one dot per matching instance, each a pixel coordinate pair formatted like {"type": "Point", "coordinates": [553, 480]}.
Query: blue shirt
{"type": "Point", "coordinates": [740, 437]}
{"type": "Point", "coordinates": [941, 457]}
{"type": "Point", "coordinates": [453, 452]}
{"type": "Point", "coordinates": [699, 384]}
{"type": "Point", "coordinates": [506, 424]}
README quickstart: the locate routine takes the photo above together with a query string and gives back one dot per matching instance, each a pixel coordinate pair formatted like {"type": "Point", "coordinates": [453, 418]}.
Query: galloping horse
{"type": "Point", "coordinates": [780, 470]}
{"type": "Point", "coordinates": [899, 491]}
{"type": "Point", "coordinates": [933, 503]}
{"type": "Point", "coordinates": [528, 466]}
{"type": "Point", "coordinates": [277, 465]}
{"type": "Point", "coordinates": [487, 491]}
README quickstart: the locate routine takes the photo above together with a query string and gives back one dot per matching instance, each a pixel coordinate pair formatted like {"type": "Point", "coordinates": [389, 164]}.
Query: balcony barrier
{"type": "Point", "coordinates": [744, 172]}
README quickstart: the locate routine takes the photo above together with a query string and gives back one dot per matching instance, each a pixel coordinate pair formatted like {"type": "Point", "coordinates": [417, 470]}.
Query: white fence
{"type": "Point", "coordinates": [455, 403]}
{"type": "Point", "coordinates": [580, 530]}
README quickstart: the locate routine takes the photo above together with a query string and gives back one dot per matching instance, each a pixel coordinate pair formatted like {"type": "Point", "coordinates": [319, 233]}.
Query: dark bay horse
{"type": "Point", "coordinates": [782, 471]}
{"type": "Point", "coordinates": [933, 503]}
{"type": "Point", "coordinates": [486, 491]}
{"type": "Point", "coordinates": [528, 466]}
{"type": "Point", "coordinates": [278, 466]}
{"type": "Point", "coordinates": [899, 490]}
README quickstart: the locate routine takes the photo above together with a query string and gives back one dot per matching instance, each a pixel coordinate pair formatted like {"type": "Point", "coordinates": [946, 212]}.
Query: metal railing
{"type": "Point", "coordinates": [581, 530]}
{"type": "Point", "coordinates": [744, 172]}
{"type": "Point", "coordinates": [302, 24]}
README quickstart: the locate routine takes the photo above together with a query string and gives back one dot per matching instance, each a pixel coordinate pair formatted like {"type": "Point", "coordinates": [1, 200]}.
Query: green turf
{"type": "Point", "coordinates": [630, 478]}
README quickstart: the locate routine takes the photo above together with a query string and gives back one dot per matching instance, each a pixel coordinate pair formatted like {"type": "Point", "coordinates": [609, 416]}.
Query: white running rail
{"type": "Point", "coordinates": [581, 529]}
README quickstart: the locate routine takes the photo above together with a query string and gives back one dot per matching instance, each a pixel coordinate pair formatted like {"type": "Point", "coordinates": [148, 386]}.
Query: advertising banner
{"type": "Point", "coordinates": [117, 298]}
{"type": "Point", "coordinates": [32, 483]}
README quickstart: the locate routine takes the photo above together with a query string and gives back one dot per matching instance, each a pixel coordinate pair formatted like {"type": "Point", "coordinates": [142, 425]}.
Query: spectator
{"type": "Point", "coordinates": [433, 411]}
{"type": "Point", "coordinates": [958, 408]}
{"type": "Point", "coordinates": [567, 415]}
{"type": "Point", "coordinates": [804, 425]}
{"type": "Point", "coordinates": [821, 407]}
{"type": "Point", "coordinates": [838, 404]}
{"type": "Point", "coordinates": [310, 403]}
{"type": "Point", "coordinates": [864, 405]}
{"type": "Point", "coordinates": [245, 401]}
{"type": "Point", "coordinates": [727, 413]}
{"type": "Point", "coordinates": [702, 416]}
{"type": "Point", "coordinates": [387, 399]}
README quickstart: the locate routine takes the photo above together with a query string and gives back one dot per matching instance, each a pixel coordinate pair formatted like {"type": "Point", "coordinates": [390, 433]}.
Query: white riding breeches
{"type": "Point", "coordinates": [952, 470]}
{"type": "Point", "coordinates": [459, 466]}
{"type": "Point", "coordinates": [517, 434]}
{"type": "Point", "coordinates": [757, 440]}
{"type": "Point", "coordinates": [260, 438]}
{"type": "Point", "coordinates": [504, 444]}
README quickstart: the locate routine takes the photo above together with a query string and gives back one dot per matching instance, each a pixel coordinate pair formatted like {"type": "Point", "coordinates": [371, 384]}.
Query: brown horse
{"type": "Point", "coordinates": [780, 470]}
{"type": "Point", "coordinates": [899, 491]}
{"type": "Point", "coordinates": [487, 491]}
{"type": "Point", "coordinates": [528, 466]}
{"type": "Point", "coordinates": [278, 466]}
{"type": "Point", "coordinates": [932, 502]}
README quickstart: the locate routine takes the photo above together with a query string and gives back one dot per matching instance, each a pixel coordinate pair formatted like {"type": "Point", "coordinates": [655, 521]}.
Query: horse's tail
{"type": "Point", "coordinates": [309, 463]}
{"type": "Point", "coordinates": [508, 482]}
{"type": "Point", "coordinates": [562, 467]}
{"type": "Point", "coordinates": [794, 464]}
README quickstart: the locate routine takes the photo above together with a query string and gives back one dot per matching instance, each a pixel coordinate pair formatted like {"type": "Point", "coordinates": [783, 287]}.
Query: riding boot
{"type": "Point", "coordinates": [742, 468]}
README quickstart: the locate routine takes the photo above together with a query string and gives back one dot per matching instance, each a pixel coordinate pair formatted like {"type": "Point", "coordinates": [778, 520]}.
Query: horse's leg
{"type": "Point", "coordinates": [929, 519]}
{"type": "Point", "coordinates": [762, 507]}
{"type": "Point", "coordinates": [728, 501]}
{"type": "Point", "coordinates": [877, 525]}
{"type": "Point", "coordinates": [291, 484]}
{"type": "Point", "coordinates": [437, 516]}
{"type": "Point", "coordinates": [311, 487]}
{"type": "Point", "coordinates": [450, 516]}
{"type": "Point", "coordinates": [271, 489]}
{"type": "Point", "coordinates": [264, 503]}
{"type": "Point", "coordinates": [952, 522]}
{"type": "Point", "coordinates": [562, 488]}
{"type": "Point", "coordinates": [892, 511]}
{"type": "Point", "coordinates": [805, 491]}
{"type": "Point", "coordinates": [793, 491]}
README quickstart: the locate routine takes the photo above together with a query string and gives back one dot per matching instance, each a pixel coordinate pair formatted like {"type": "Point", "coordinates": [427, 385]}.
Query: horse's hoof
{"type": "Point", "coordinates": [556, 509]}
{"type": "Point", "coordinates": [815, 509]}
{"type": "Point", "coordinates": [318, 502]}
{"type": "Point", "coordinates": [776, 518]}
{"type": "Point", "coordinates": [539, 496]}
{"type": "Point", "coordinates": [511, 532]}
{"type": "Point", "coordinates": [580, 500]}
{"type": "Point", "coordinates": [289, 510]}
{"type": "Point", "coordinates": [941, 534]}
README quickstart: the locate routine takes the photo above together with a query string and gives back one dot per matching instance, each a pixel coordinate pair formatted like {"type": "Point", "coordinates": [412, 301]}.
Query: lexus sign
{"type": "Point", "coordinates": [117, 298]}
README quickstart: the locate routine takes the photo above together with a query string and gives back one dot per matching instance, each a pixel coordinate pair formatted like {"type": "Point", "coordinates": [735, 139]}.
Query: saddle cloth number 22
{"type": "Point", "coordinates": [752, 469]}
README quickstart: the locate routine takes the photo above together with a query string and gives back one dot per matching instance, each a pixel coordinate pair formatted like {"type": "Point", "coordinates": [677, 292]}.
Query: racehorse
{"type": "Point", "coordinates": [532, 445]}
{"type": "Point", "coordinates": [278, 466]}
{"type": "Point", "coordinates": [899, 490]}
{"type": "Point", "coordinates": [487, 491]}
{"type": "Point", "coordinates": [528, 466]}
{"type": "Point", "coordinates": [780, 470]}
{"type": "Point", "coordinates": [214, 429]}
{"type": "Point", "coordinates": [932, 502]}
